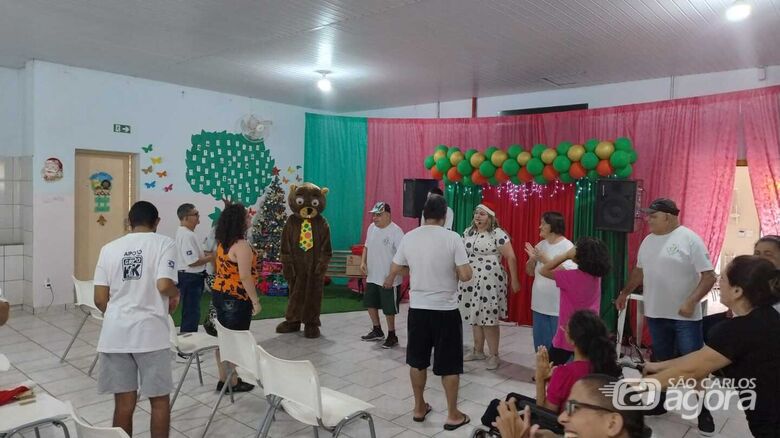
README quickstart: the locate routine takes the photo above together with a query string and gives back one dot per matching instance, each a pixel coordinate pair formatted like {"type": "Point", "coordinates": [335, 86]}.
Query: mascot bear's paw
{"type": "Point", "coordinates": [288, 327]}
{"type": "Point", "coordinates": [311, 331]}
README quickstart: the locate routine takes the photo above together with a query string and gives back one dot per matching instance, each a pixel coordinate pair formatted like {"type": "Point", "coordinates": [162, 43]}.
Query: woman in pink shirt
{"type": "Point", "coordinates": [580, 288]}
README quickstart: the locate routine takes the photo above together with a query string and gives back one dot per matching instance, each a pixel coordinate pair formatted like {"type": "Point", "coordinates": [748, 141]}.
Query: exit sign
{"type": "Point", "coordinates": [124, 129]}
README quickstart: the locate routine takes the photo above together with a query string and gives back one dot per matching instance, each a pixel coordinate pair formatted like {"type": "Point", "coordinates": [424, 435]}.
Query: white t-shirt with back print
{"type": "Point", "coordinates": [381, 244]}
{"type": "Point", "coordinates": [136, 319]}
{"type": "Point", "coordinates": [432, 252]}
{"type": "Point", "coordinates": [671, 264]}
{"type": "Point", "coordinates": [545, 295]}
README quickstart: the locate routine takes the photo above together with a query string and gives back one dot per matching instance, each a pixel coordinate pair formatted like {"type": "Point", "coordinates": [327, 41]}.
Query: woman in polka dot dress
{"type": "Point", "coordinates": [483, 300]}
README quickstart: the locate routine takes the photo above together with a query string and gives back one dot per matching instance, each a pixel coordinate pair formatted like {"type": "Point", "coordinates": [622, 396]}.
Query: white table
{"type": "Point", "coordinates": [16, 417]}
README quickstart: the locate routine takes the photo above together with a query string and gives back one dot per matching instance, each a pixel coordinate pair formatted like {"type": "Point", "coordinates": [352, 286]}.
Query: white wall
{"type": "Point", "coordinates": [76, 108]}
{"type": "Point", "coordinates": [598, 96]}
{"type": "Point", "coordinates": [11, 112]}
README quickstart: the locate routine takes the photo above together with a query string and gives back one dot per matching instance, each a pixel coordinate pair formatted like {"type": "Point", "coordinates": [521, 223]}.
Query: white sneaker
{"type": "Point", "coordinates": [474, 355]}
{"type": "Point", "coordinates": [492, 362]}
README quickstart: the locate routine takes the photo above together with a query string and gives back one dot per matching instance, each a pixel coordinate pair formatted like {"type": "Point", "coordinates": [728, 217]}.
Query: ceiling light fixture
{"type": "Point", "coordinates": [324, 84]}
{"type": "Point", "coordinates": [738, 11]}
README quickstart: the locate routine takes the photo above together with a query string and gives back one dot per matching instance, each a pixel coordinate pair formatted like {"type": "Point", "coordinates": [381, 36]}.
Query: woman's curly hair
{"type": "Point", "coordinates": [592, 256]}
{"type": "Point", "coordinates": [231, 226]}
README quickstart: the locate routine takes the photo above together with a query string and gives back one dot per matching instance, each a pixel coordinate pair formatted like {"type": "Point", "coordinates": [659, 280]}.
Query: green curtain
{"type": "Point", "coordinates": [617, 244]}
{"type": "Point", "coordinates": [335, 157]}
{"type": "Point", "coordinates": [462, 200]}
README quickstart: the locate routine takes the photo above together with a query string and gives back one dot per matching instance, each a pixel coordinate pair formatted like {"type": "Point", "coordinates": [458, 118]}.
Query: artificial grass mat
{"type": "Point", "coordinates": [337, 299]}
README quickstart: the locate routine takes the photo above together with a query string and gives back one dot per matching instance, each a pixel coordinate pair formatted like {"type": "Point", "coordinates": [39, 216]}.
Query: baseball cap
{"type": "Point", "coordinates": [380, 207]}
{"type": "Point", "coordinates": [664, 205]}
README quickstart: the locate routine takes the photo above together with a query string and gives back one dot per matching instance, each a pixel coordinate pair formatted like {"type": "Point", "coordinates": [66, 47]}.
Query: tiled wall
{"type": "Point", "coordinates": [16, 225]}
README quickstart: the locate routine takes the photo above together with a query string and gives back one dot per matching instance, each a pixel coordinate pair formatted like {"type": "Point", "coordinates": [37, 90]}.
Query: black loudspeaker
{"type": "Point", "coordinates": [415, 194]}
{"type": "Point", "coordinates": [615, 205]}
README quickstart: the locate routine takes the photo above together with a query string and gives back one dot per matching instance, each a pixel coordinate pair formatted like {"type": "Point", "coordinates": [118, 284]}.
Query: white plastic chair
{"type": "Point", "coordinates": [85, 430]}
{"type": "Point", "coordinates": [190, 345]}
{"type": "Point", "coordinates": [43, 410]}
{"type": "Point", "coordinates": [85, 300]}
{"type": "Point", "coordinates": [295, 386]}
{"type": "Point", "coordinates": [238, 348]}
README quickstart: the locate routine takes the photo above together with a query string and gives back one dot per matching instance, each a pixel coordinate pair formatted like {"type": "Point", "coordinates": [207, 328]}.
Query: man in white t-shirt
{"type": "Point", "coordinates": [382, 240]}
{"type": "Point", "coordinates": [135, 288]}
{"type": "Point", "coordinates": [192, 261]}
{"type": "Point", "coordinates": [436, 259]}
{"type": "Point", "coordinates": [676, 273]}
{"type": "Point", "coordinates": [450, 214]}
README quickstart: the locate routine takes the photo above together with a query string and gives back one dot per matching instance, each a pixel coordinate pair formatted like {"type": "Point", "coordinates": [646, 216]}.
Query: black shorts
{"type": "Point", "coordinates": [440, 330]}
{"type": "Point", "coordinates": [232, 313]}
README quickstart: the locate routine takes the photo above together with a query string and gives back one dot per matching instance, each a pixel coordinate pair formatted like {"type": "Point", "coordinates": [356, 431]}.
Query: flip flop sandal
{"type": "Point", "coordinates": [428, 409]}
{"type": "Point", "coordinates": [466, 420]}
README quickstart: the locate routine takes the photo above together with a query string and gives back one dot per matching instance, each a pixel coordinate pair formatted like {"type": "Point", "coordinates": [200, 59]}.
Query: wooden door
{"type": "Point", "coordinates": [105, 190]}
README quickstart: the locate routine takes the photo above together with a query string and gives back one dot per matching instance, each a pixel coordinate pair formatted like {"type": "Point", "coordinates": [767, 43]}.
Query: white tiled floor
{"type": "Point", "coordinates": [33, 345]}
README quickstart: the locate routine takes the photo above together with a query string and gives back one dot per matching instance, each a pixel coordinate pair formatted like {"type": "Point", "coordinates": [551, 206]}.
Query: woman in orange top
{"type": "Point", "coordinates": [233, 291]}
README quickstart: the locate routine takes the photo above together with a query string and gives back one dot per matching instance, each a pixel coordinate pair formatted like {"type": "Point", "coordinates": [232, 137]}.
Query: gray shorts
{"type": "Point", "coordinates": [125, 372]}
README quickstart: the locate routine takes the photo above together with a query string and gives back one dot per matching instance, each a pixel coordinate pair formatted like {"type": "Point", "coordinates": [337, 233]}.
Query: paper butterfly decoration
{"type": "Point", "coordinates": [168, 188]}
{"type": "Point", "coordinates": [285, 180]}
{"type": "Point", "coordinates": [147, 149]}
{"type": "Point", "coordinates": [162, 174]}
{"type": "Point", "coordinates": [290, 170]}
{"type": "Point", "coordinates": [148, 170]}
{"type": "Point", "coordinates": [298, 166]}
{"type": "Point", "coordinates": [275, 170]}
{"type": "Point", "coordinates": [156, 160]}
{"type": "Point", "coordinates": [298, 178]}
{"type": "Point", "coordinates": [150, 185]}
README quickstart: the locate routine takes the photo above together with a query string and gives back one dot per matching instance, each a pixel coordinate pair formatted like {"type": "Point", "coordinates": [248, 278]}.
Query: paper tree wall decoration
{"type": "Point", "coordinates": [228, 166]}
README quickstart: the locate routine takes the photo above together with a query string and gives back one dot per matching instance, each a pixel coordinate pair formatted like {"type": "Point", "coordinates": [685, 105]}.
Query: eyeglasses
{"type": "Point", "coordinates": [571, 407]}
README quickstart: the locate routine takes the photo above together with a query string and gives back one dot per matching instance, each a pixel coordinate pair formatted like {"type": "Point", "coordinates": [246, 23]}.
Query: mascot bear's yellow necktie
{"type": "Point", "coordinates": [306, 239]}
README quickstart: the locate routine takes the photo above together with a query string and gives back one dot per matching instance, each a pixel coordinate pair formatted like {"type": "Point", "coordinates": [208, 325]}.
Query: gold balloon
{"type": "Point", "coordinates": [523, 157]}
{"type": "Point", "coordinates": [548, 156]}
{"type": "Point", "coordinates": [456, 158]}
{"type": "Point", "coordinates": [498, 158]}
{"type": "Point", "coordinates": [604, 149]}
{"type": "Point", "coordinates": [477, 159]}
{"type": "Point", "coordinates": [576, 152]}
{"type": "Point", "coordinates": [439, 154]}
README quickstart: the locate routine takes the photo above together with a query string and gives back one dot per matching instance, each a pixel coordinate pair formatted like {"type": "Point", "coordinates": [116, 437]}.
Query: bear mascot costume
{"type": "Point", "coordinates": [305, 255]}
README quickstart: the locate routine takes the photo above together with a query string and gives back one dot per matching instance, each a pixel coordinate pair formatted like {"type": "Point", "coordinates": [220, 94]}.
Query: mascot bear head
{"type": "Point", "coordinates": [307, 200]}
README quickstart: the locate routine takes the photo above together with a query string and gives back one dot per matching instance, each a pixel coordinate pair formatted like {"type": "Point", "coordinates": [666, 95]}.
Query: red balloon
{"type": "Point", "coordinates": [454, 175]}
{"type": "Point", "coordinates": [478, 179]}
{"type": "Point", "coordinates": [577, 171]}
{"type": "Point", "coordinates": [501, 176]}
{"type": "Point", "coordinates": [604, 168]}
{"type": "Point", "coordinates": [435, 174]}
{"type": "Point", "coordinates": [524, 176]}
{"type": "Point", "coordinates": [549, 173]}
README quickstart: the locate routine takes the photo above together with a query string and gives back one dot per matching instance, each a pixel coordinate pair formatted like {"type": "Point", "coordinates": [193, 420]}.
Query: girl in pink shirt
{"type": "Point", "coordinates": [580, 288]}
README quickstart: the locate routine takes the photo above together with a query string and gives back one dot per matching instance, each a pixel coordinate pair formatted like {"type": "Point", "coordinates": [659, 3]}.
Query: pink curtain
{"type": "Point", "coordinates": [687, 151]}
{"type": "Point", "coordinates": [761, 118]}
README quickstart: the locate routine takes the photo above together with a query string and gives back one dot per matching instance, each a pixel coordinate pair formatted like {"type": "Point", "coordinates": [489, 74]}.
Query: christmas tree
{"type": "Point", "coordinates": [267, 229]}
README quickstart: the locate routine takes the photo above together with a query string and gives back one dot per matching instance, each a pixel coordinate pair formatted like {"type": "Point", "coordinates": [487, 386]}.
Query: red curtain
{"type": "Point", "coordinates": [520, 218]}
{"type": "Point", "coordinates": [761, 116]}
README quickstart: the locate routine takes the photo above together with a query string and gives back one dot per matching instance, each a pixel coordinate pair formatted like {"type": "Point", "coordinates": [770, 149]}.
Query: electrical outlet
{"type": "Point", "coordinates": [47, 283]}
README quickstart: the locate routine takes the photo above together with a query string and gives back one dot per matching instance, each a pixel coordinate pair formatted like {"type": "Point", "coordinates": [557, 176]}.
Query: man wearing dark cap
{"type": "Point", "coordinates": [382, 240]}
{"type": "Point", "coordinates": [675, 271]}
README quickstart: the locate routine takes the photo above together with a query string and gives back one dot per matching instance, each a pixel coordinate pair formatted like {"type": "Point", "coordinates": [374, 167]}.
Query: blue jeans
{"type": "Point", "coordinates": [190, 288]}
{"type": "Point", "coordinates": [232, 313]}
{"type": "Point", "coordinates": [673, 338]}
{"type": "Point", "coordinates": [544, 328]}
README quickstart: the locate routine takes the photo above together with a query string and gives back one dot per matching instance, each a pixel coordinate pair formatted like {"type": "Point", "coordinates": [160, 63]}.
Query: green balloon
{"type": "Point", "coordinates": [537, 150]}
{"type": "Point", "coordinates": [464, 168]}
{"type": "Point", "coordinates": [429, 162]}
{"type": "Point", "coordinates": [487, 169]}
{"type": "Point", "coordinates": [515, 180]}
{"type": "Point", "coordinates": [445, 179]}
{"type": "Point", "coordinates": [514, 150]}
{"type": "Point", "coordinates": [619, 159]}
{"type": "Point", "coordinates": [566, 178]}
{"type": "Point", "coordinates": [540, 179]}
{"type": "Point", "coordinates": [624, 172]}
{"type": "Point", "coordinates": [561, 163]}
{"type": "Point", "coordinates": [535, 166]}
{"type": "Point", "coordinates": [589, 160]}
{"type": "Point", "coordinates": [511, 167]}
{"type": "Point", "coordinates": [469, 153]}
{"type": "Point", "coordinates": [593, 175]}
{"type": "Point", "coordinates": [443, 165]}
{"type": "Point", "coordinates": [632, 156]}
{"type": "Point", "coordinates": [441, 147]}
{"type": "Point", "coordinates": [452, 151]}
{"type": "Point", "coordinates": [489, 152]}
{"type": "Point", "coordinates": [493, 181]}
{"type": "Point", "coordinates": [623, 144]}
{"type": "Point", "coordinates": [563, 147]}
{"type": "Point", "coordinates": [467, 181]}
{"type": "Point", "coordinates": [591, 144]}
